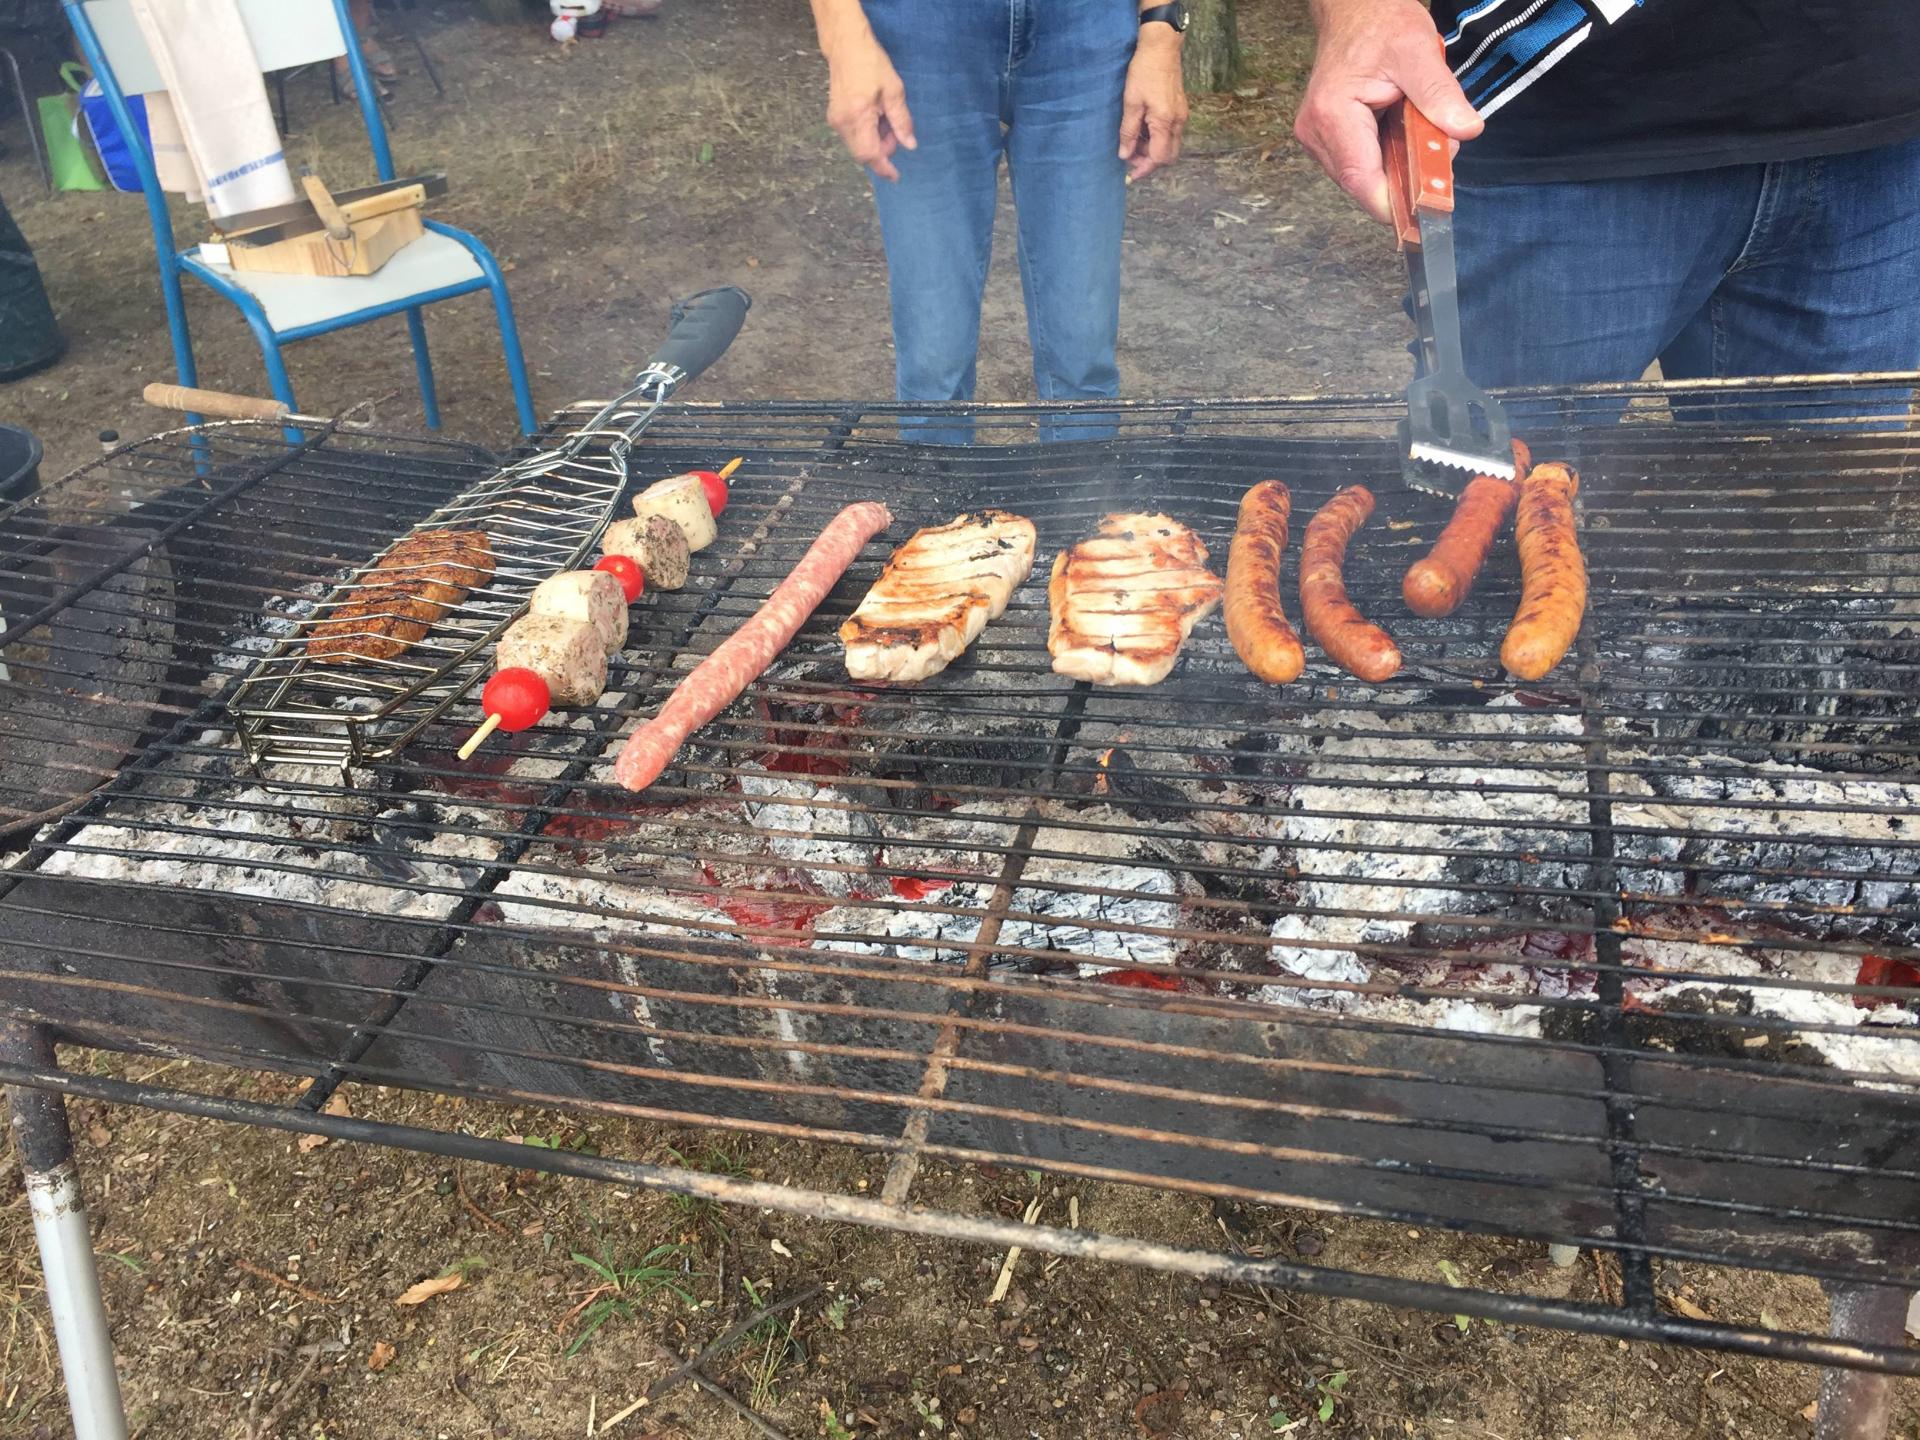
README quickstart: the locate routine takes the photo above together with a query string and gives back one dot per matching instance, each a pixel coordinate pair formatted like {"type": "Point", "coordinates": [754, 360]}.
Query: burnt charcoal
{"type": "Point", "coordinates": [1829, 705]}
{"type": "Point", "coordinates": [940, 770]}
{"type": "Point", "coordinates": [1680, 1027]}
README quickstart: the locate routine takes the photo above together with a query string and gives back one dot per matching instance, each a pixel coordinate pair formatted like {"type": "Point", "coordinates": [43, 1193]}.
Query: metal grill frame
{"type": "Point", "coordinates": [833, 429]}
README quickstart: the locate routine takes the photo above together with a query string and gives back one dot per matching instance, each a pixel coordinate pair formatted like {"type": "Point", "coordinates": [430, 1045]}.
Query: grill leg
{"type": "Point", "coordinates": [66, 1246]}
{"type": "Point", "coordinates": [1856, 1404]}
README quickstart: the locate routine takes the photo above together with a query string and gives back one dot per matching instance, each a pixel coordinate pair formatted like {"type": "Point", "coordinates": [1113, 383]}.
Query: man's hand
{"type": "Point", "coordinates": [1153, 113]}
{"type": "Point", "coordinates": [1371, 53]}
{"type": "Point", "coordinates": [866, 103]}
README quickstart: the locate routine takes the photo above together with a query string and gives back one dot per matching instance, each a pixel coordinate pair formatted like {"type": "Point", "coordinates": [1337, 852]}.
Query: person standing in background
{"type": "Point", "coordinates": [1731, 187]}
{"type": "Point", "coordinates": [1082, 97]}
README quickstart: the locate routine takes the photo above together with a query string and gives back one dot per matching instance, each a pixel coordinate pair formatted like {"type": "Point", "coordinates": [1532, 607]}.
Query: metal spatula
{"type": "Point", "coordinates": [1454, 430]}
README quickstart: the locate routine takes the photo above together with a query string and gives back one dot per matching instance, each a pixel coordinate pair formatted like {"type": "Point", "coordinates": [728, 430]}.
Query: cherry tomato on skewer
{"type": "Point", "coordinates": [625, 569]}
{"type": "Point", "coordinates": [513, 699]}
{"type": "Point", "coordinates": [714, 483]}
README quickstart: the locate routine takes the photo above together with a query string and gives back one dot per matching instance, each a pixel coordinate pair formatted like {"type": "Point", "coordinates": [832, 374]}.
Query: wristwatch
{"type": "Point", "coordinates": [1174, 15]}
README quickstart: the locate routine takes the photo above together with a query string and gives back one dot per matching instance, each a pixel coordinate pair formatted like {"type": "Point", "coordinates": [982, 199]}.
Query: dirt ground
{"type": "Point", "coordinates": [252, 1280]}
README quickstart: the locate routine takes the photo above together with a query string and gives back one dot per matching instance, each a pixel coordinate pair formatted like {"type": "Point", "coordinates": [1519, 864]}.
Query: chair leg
{"type": "Point", "coordinates": [277, 375]}
{"type": "Point", "coordinates": [423, 367]}
{"type": "Point", "coordinates": [516, 357]}
{"type": "Point", "coordinates": [80, 1330]}
{"type": "Point", "coordinates": [26, 117]}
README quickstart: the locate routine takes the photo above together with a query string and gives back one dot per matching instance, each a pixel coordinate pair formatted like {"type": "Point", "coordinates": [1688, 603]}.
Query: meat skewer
{"type": "Point", "coordinates": [520, 695]}
{"type": "Point", "coordinates": [1351, 640]}
{"type": "Point", "coordinates": [719, 679]}
{"type": "Point", "coordinates": [1553, 594]}
{"type": "Point", "coordinates": [1256, 620]}
{"type": "Point", "coordinates": [1435, 585]}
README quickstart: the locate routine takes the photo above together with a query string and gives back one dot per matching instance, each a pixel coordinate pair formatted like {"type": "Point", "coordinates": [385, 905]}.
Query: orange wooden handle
{"type": "Point", "coordinates": [1419, 161]}
{"type": "Point", "coordinates": [216, 403]}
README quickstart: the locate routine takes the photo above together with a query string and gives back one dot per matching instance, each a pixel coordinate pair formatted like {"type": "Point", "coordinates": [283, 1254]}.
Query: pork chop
{"type": "Point", "coordinates": [1125, 599]}
{"type": "Point", "coordinates": [937, 594]}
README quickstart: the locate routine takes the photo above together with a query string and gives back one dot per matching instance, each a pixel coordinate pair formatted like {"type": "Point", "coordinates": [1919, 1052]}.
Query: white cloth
{"type": "Point", "coordinates": [213, 131]}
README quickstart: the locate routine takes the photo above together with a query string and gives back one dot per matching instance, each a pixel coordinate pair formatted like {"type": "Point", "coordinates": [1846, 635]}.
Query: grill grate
{"type": "Point", "coordinates": [1624, 959]}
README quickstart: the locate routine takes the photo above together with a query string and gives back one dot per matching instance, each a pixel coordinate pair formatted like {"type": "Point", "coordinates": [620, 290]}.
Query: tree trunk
{"type": "Point", "coordinates": [1212, 50]}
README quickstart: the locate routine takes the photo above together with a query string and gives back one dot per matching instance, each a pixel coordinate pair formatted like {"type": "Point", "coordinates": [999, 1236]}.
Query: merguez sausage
{"type": "Point", "coordinates": [1436, 585]}
{"type": "Point", "coordinates": [1553, 595]}
{"type": "Point", "coordinates": [1256, 620]}
{"type": "Point", "coordinates": [717, 681]}
{"type": "Point", "coordinates": [1350, 640]}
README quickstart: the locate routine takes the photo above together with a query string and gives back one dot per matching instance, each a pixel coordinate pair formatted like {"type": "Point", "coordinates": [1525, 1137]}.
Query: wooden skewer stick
{"type": "Point", "coordinates": [726, 470]}
{"type": "Point", "coordinates": [473, 740]}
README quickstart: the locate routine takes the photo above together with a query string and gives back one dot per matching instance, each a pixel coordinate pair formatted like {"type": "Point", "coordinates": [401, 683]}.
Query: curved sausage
{"type": "Point", "coordinates": [1350, 640]}
{"type": "Point", "coordinates": [1553, 593]}
{"type": "Point", "coordinates": [1436, 585]}
{"type": "Point", "coordinates": [716, 682]}
{"type": "Point", "coordinates": [1256, 620]}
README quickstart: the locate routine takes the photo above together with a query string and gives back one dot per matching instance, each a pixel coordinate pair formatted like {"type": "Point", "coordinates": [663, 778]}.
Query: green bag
{"type": "Point", "coordinates": [67, 153]}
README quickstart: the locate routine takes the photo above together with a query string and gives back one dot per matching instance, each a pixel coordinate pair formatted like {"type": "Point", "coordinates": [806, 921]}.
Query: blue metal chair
{"type": "Point", "coordinates": [280, 309]}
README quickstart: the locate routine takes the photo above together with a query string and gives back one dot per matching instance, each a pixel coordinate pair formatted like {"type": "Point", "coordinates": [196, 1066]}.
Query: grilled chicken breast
{"type": "Point", "coordinates": [1125, 600]}
{"type": "Point", "coordinates": [937, 594]}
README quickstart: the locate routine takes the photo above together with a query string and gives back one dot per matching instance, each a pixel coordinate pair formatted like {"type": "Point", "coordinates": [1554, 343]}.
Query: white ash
{"type": "Point", "coordinates": [609, 910]}
{"type": "Point", "coordinates": [279, 618]}
{"type": "Point", "coordinates": [236, 850]}
{"type": "Point", "coordinates": [811, 825]}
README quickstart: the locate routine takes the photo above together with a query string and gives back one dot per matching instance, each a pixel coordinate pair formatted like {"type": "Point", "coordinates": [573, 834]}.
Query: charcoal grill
{"type": "Point", "coordinates": [1620, 960]}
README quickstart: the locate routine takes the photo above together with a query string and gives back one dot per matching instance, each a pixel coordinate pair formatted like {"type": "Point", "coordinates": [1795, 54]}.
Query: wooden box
{"type": "Point", "coordinates": [383, 225]}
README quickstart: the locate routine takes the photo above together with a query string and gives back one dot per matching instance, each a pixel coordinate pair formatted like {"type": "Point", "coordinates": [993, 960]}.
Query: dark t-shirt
{"type": "Point", "coordinates": [1593, 89]}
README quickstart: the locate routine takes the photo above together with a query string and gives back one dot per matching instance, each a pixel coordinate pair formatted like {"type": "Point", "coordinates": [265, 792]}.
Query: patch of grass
{"type": "Point", "coordinates": [622, 1285]}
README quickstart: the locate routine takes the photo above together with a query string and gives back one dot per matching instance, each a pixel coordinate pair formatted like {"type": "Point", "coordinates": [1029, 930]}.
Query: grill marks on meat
{"type": "Point", "coordinates": [1553, 595]}
{"type": "Point", "coordinates": [937, 594]}
{"type": "Point", "coordinates": [1124, 601]}
{"type": "Point", "coordinates": [1256, 620]}
{"type": "Point", "coordinates": [397, 600]}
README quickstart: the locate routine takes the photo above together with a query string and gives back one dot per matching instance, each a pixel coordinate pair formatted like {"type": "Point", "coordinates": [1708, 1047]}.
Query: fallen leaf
{"type": "Point", "coordinates": [336, 1105]}
{"type": "Point", "coordinates": [427, 1289]}
{"type": "Point", "coordinates": [381, 1357]}
{"type": "Point", "coordinates": [1811, 1412]}
{"type": "Point", "coordinates": [311, 1143]}
{"type": "Point", "coordinates": [99, 1134]}
{"type": "Point", "coordinates": [1683, 1306]}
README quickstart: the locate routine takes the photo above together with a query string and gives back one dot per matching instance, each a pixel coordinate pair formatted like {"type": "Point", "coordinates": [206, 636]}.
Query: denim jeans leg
{"type": "Point", "coordinates": [1588, 282]}
{"type": "Point", "coordinates": [1069, 187]}
{"type": "Point", "coordinates": [937, 219]}
{"type": "Point", "coordinates": [1828, 282]}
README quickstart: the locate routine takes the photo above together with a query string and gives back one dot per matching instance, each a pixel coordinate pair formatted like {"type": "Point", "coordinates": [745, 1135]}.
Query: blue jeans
{"type": "Point", "coordinates": [1797, 268]}
{"type": "Point", "coordinates": [1039, 81]}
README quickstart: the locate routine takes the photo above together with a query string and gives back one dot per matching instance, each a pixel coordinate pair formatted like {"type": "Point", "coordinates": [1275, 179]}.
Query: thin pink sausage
{"type": "Point", "coordinates": [717, 681]}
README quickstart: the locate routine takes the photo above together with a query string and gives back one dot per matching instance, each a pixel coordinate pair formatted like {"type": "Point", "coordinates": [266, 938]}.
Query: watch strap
{"type": "Point", "coordinates": [1170, 14]}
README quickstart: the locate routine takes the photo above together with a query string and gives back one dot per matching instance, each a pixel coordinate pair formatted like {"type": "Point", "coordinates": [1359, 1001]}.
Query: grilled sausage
{"type": "Point", "coordinates": [1436, 585]}
{"type": "Point", "coordinates": [1350, 640]}
{"type": "Point", "coordinates": [1553, 594]}
{"type": "Point", "coordinates": [1256, 620]}
{"type": "Point", "coordinates": [716, 682]}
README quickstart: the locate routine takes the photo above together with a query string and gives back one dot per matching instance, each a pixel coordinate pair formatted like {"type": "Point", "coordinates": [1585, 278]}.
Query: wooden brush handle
{"type": "Point", "coordinates": [216, 403]}
{"type": "Point", "coordinates": [1419, 161]}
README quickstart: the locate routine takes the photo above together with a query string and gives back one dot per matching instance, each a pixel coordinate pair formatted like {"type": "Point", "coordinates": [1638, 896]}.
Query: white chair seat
{"type": "Point", "coordinates": [292, 302]}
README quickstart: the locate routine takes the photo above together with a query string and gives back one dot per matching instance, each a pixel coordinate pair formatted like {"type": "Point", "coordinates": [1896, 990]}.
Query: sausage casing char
{"type": "Point", "coordinates": [1351, 641]}
{"type": "Point", "coordinates": [1553, 595]}
{"type": "Point", "coordinates": [1435, 586]}
{"type": "Point", "coordinates": [1256, 620]}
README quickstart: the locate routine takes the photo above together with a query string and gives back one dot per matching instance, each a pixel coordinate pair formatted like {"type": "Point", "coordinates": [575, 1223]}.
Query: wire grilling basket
{"type": "Point", "coordinates": [1625, 959]}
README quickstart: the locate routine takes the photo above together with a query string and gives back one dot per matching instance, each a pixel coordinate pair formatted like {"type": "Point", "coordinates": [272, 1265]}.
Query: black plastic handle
{"type": "Point", "coordinates": [703, 327]}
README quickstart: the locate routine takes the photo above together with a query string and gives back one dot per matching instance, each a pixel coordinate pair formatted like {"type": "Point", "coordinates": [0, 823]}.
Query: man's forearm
{"type": "Point", "coordinates": [837, 20]}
